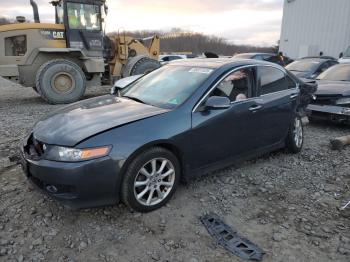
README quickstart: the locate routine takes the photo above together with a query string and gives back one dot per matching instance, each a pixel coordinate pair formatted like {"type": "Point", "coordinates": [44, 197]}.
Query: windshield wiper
{"type": "Point", "coordinates": [135, 99]}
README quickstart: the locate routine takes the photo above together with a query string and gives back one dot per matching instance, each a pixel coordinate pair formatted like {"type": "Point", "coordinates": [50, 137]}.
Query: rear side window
{"type": "Point", "coordinates": [323, 67]}
{"type": "Point", "coordinates": [16, 45]}
{"type": "Point", "coordinates": [273, 80]}
{"type": "Point", "coordinates": [290, 82]}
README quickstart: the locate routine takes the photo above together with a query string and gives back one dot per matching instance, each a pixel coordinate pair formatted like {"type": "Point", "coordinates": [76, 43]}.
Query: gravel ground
{"type": "Point", "coordinates": [287, 204]}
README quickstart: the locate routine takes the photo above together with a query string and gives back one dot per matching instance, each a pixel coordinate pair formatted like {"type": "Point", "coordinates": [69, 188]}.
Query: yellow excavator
{"type": "Point", "coordinates": [59, 61]}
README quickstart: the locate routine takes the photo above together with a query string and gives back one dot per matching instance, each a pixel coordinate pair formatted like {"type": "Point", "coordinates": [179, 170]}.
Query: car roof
{"type": "Point", "coordinates": [341, 65]}
{"type": "Point", "coordinates": [252, 54]}
{"type": "Point", "coordinates": [218, 62]}
{"type": "Point", "coordinates": [319, 57]}
{"type": "Point", "coordinates": [171, 55]}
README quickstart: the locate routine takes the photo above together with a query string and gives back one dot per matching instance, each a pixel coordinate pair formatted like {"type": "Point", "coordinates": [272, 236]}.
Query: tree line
{"type": "Point", "coordinates": [4, 21]}
{"type": "Point", "coordinates": [196, 43]}
{"type": "Point", "coordinates": [177, 40]}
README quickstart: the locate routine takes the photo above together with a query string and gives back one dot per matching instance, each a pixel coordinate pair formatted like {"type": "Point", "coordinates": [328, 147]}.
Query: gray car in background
{"type": "Point", "coordinates": [310, 67]}
{"type": "Point", "coordinates": [332, 99]}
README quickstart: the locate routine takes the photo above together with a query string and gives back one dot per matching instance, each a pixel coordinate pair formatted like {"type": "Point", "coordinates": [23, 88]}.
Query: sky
{"type": "Point", "coordinates": [254, 22]}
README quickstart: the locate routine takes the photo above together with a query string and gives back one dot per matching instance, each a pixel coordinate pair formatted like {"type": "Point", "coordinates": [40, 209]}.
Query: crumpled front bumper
{"type": "Point", "coordinates": [329, 112]}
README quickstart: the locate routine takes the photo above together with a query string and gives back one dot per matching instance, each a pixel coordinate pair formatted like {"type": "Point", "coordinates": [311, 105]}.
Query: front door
{"type": "Point", "coordinates": [222, 134]}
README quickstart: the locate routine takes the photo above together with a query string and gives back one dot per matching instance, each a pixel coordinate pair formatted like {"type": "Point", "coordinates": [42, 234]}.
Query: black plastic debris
{"type": "Point", "coordinates": [230, 239]}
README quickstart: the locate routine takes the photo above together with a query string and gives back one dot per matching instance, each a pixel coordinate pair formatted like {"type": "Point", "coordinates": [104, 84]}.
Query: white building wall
{"type": "Point", "coordinates": [311, 26]}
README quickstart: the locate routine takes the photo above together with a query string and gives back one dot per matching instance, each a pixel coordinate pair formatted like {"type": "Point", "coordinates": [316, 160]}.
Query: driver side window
{"type": "Point", "coordinates": [236, 86]}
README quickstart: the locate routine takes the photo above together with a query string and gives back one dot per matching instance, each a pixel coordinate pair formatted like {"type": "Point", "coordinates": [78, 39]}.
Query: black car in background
{"type": "Point", "coordinates": [268, 57]}
{"type": "Point", "coordinates": [185, 119]}
{"type": "Point", "coordinates": [311, 67]}
{"type": "Point", "coordinates": [332, 99]}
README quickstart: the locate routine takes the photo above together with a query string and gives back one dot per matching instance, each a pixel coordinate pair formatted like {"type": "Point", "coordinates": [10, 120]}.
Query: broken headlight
{"type": "Point", "coordinates": [67, 154]}
{"type": "Point", "coordinates": [343, 101]}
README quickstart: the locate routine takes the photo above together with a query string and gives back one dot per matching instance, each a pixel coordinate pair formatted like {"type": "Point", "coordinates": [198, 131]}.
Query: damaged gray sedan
{"type": "Point", "coordinates": [187, 118]}
{"type": "Point", "coordinates": [332, 99]}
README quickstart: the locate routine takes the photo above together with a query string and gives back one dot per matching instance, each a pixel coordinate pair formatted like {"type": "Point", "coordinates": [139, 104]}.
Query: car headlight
{"type": "Point", "coordinates": [343, 101]}
{"type": "Point", "coordinates": [67, 154]}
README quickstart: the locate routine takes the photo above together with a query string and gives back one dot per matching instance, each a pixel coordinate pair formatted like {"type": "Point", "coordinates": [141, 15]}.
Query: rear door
{"type": "Point", "coordinates": [277, 94]}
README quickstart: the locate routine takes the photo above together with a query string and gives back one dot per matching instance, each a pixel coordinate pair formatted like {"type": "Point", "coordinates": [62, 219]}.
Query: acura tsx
{"type": "Point", "coordinates": [186, 118]}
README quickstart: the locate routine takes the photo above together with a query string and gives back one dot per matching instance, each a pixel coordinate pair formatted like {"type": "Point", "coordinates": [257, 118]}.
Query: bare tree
{"type": "Point", "coordinates": [4, 21]}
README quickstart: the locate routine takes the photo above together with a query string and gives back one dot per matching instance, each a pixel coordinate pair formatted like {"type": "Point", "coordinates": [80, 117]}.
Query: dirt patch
{"type": "Point", "coordinates": [287, 204]}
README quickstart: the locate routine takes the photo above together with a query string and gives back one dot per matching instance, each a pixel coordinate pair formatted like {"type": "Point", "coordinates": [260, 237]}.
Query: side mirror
{"type": "Point", "coordinates": [217, 102]}
{"type": "Point", "coordinates": [124, 82]}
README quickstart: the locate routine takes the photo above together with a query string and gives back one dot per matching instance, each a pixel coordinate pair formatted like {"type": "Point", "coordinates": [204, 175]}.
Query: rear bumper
{"type": "Point", "coordinates": [77, 185]}
{"type": "Point", "coordinates": [331, 113]}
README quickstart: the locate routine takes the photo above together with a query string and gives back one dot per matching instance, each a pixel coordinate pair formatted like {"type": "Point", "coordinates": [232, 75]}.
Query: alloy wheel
{"type": "Point", "coordinates": [298, 132]}
{"type": "Point", "coordinates": [154, 181]}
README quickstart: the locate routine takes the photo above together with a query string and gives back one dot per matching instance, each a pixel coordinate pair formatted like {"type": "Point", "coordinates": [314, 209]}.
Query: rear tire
{"type": "Point", "coordinates": [140, 65]}
{"type": "Point", "coordinates": [295, 137]}
{"type": "Point", "coordinates": [150, 180]}
{"type": "Point", "coordinates": [145, 66]}
{"type": "Point", "coordinates": [60, 81]}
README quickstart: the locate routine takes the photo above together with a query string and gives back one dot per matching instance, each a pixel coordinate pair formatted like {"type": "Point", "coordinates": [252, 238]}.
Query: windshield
{"type": "Point", "coordinates": [168, 86]}
{"type": "Point", "coordinates": [304, 65]}
{"type": "Point", "coordinates": [84, 16]}
{"type": "Point", "coordinates": [336, 73]}
{"type": "Point", "coordinates": [59, 14]}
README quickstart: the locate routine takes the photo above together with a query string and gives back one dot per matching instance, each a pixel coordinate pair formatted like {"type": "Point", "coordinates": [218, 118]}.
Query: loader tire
{"type": "Point", "coordinates": [60, 81]}
{"type": "Point", "coordinates": [140, 65]}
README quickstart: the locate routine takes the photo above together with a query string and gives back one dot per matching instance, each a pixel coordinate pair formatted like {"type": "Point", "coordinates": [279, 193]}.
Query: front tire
{"type": "Point", "coordinates": [295, 137]}
{"type": "Point", "coordinates": [60, 81]}
{"type": "Point", "coordinates": [150, 180]}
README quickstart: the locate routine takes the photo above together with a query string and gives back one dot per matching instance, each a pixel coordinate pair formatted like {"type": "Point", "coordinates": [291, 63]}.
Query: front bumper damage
{"type": "Point", "coordinates": [76, 185]}
{"type": "Point", "coordinates": [332, 113]}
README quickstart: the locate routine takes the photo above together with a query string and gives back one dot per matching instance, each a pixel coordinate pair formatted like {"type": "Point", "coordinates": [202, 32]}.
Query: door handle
{"type": "Point", "coordinates": [292, 96]}
{"type": "Point", "coordinates": [255, 108]}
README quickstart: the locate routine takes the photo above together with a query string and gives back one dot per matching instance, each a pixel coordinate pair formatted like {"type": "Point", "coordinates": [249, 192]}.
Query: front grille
{"type": "Point", "coordinates": [326, 100]}
{"type": "Point", "coordinates": [34, 148]}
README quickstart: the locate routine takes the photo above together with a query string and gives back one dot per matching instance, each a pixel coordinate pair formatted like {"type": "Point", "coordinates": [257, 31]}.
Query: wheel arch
{"type": "Point", "coordinates": [166, 144]}
{"type": "Point", "coordinates": [40, 56]}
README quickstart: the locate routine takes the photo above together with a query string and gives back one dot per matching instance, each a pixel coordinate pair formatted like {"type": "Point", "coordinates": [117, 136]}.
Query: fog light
{"type": "Point", "coordinates": [52, 189]}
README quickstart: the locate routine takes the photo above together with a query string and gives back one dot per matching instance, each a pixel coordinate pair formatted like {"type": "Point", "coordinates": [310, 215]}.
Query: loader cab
{"type": "Point", "coordinates": [83, 24]}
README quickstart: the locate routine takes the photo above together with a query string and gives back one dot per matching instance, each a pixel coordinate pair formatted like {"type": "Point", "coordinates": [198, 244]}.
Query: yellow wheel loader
{"type": "Point", "coordinates": [60, 60]}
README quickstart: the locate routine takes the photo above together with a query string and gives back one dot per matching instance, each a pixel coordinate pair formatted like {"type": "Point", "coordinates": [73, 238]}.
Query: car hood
{"type": "Point", "coordinates": [333, 88]}
{"type": "Point", "coordinates": [301, 74]}
{"type": "Point", "coordinates": [70, 125]}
